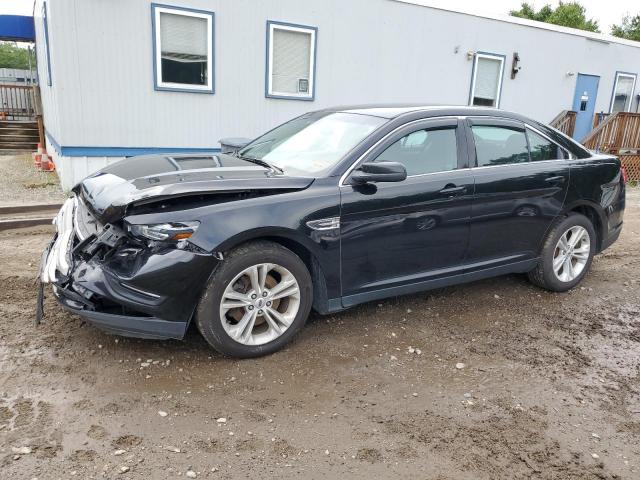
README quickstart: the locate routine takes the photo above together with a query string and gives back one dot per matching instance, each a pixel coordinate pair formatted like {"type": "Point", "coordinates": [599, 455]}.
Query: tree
{"type": "Point", "coordinates": [629, 28]}
{"type": "Point", "coordinates": [569, 14]}
{"type": "Point", "coordinates": [13, 56]}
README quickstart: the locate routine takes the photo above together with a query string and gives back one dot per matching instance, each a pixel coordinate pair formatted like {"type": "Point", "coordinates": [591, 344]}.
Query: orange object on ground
{"type": "Point", "coordinates": [47, 164]}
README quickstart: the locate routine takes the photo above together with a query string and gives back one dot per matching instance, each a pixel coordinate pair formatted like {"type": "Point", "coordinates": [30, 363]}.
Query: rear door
{"type": "Point", "coordinates": [521, 180]}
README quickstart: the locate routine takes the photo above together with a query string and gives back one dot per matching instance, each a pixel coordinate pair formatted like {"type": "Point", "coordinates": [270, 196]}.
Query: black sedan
{"type": "Point", "coordinates": [329, 210]}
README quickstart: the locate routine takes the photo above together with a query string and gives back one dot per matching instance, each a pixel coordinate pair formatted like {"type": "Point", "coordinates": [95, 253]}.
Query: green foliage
{"type": "Point", "coordinates": [629, 28]}
{"type": "Point", "coordinates": [569, 14]}
{"type": "Point", "coordinates": [12, 56]}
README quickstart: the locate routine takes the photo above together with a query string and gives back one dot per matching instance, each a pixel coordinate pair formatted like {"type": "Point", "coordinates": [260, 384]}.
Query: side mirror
{"type": "Point", "coordinates": [233, 144]}
{"type": "Point", "coordinates": [379, 172]}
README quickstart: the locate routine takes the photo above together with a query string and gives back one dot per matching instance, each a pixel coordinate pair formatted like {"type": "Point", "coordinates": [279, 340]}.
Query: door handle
{"type": "Point", "coordinates": [453, 190]}
{"type": "Point", "coordinates": [555, 180]}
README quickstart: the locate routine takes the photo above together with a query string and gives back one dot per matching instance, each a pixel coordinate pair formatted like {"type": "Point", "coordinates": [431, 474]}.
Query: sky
{"type": "Point", "coordinates": [607, 12]}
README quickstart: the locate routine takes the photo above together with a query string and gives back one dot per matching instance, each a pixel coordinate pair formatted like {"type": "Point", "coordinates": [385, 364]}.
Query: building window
{"type": "Point", "coordinates": [623, 89]}
{"type": "Point", "coordinates": [183, 49]}
{"type": "Point", "coordinates": [486, 80]}
{"type": "Point", "coordinates": [291, 59]}
{"type": "Point", "coordinates": [46, 42]}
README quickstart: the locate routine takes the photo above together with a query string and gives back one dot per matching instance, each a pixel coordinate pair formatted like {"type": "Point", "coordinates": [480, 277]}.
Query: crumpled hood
{"type": "Point", "coordinates": [146, 178]}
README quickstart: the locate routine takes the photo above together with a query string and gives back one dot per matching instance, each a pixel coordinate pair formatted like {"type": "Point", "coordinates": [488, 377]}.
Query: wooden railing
{"type": "Point", "coordinates": [598, 118]}
{"type": "Point", "coordinates": [565, 121]}
{"type": "Point", "coordinates": [18, 102]}
{"type": "Point", "coordinates": [618, 132]}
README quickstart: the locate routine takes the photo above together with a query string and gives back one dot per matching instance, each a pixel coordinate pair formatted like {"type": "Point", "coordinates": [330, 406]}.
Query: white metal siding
{"type": "Point", "coordinates": [368, 51]}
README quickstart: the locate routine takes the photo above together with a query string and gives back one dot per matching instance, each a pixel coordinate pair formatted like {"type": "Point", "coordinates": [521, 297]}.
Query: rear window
{"type": "Point", "coordinates": [499, 145]}
{"type": "Point", "coordinates": [543, 149]}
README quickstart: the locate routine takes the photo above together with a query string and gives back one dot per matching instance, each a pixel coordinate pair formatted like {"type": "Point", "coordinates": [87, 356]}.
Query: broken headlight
{"type": "Point", "coordinates": [171, 232]}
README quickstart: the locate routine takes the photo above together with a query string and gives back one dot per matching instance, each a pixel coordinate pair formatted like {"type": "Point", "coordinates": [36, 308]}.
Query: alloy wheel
{"type": "Point", "coordinates": [571, 254]}
{"type": "Point", "coordinates": [260, 304]}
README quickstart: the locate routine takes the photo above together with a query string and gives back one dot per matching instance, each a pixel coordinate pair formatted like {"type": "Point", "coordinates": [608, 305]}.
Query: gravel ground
{"type": "Point", "coordinates": [490, 380]}
{"type": "Point", "coordinates": [21, 183]}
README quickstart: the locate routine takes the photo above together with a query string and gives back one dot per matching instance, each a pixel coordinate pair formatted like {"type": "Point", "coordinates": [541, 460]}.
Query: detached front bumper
{"type": "Point", "coordinates": [122, 287]}
{"type": "Point", "coordinates": [125, 325]}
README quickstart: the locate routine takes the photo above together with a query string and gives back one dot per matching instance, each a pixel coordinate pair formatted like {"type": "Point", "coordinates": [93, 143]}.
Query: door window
{"type": "Point", "coordinates": [543, 149]}
{"type": "Point", "coordinates": [499, 145]}
{"type": "Point", "coordinates": [424, 151]}
{"type": "Point", "coordinates": [623, 92]}
{"type": "Point", "coordinates": [487, 80]}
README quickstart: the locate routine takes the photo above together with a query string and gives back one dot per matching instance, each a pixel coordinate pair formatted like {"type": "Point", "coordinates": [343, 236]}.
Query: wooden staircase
{"type": "Point", "coordinates": [21, 126]}
{"type": "Point", "coordinates": [617, 133]}
{"type": "Point", "coordinates": [565, 121]}
{"type": "Point", "coordinates": [22, 135]}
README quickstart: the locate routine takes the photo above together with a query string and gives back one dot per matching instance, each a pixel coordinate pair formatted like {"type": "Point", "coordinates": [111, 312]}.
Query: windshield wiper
{"type": "Point", "coordinates": [257, 161]}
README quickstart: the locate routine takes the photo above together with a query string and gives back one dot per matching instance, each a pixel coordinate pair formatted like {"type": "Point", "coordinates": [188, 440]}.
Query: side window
{"type": "Point", "coordinates": [291, 58]}
{"type": "Point", "coordinates": [183, 49]}
{"type": "Point", "coordinates": [499, 145]}
{"type": "Point", "coordinates": [543, 149]}
{"type": "Point", "coordinates": [424, 151]}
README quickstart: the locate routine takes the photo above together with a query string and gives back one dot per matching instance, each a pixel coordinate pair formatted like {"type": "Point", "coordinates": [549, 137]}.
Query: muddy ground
{"type": "Point", "coordinates": [550, 387]}
{"type": "Point", "coordinates": [21, 183]}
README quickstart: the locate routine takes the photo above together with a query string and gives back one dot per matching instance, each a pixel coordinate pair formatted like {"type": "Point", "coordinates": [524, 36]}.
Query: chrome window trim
{"type": "Point", "coordinates": [516, 164]}
{"type": "Point", "coordinates": [458, 117]}
{"type": "Point", "coordinates": [370, 149]}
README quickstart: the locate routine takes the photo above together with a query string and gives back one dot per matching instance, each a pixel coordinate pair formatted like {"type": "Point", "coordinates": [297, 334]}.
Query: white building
{"type": "Point", "coordinates": [15, 76]}
{"type": "Point", "coordinates": [124, 77]}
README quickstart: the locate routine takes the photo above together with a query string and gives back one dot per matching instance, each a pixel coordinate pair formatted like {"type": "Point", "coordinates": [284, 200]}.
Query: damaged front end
{"type": "Point", "coordinates": [140, 281]}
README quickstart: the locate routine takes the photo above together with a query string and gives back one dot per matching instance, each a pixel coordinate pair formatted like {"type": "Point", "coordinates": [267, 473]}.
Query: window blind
{"type": "Point", "coordinates": [183, 38]}
{"type": "Point", "coordinates": [624, 91]}
{"type": "Point", "coordinates": [487, 78]}
{"type": "Point", "coordinates": [291, 61]}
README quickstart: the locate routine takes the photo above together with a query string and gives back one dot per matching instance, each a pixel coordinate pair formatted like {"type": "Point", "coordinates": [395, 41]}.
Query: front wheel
{"type": "Point", "coordinates": [566, 255]}
{"type": "Point", "coordinates": [256, 301]}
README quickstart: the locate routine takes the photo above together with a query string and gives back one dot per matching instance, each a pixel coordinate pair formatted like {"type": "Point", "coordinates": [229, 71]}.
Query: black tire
{"type": "Point", "coordinates": [543, 275]}
{"type": "Point", "coordinates": [207, 315]}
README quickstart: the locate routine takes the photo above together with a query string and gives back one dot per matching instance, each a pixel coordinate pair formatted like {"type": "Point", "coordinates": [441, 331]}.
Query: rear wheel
{"type": "Point", "coordinates": [566, 255]}
{"type": "Point", "coordinates": [256, 301]}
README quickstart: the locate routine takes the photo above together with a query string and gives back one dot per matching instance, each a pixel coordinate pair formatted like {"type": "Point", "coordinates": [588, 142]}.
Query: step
{"type": "Point", "coordinates": [24, 141]}
{"type": "Point", "coordinates": [34, 207]}
{"type": "Point", "coordinates": [22, 216]}
{"type": "Point", "coordinates": [23, 147]}
{"type": "Point", "coordinates": [18, 124]}
{"type": "Point", "coordinates": [17, 135]}
{"type": "Point", "coordinates": [12, 224]}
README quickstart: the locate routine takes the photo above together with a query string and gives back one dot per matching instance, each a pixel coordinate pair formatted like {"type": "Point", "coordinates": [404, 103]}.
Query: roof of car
{"type": "Point", "coordinates": [395, 110]}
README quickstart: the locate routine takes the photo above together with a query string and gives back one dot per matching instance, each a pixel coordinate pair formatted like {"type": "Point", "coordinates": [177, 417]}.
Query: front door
{"type": "Point", "coordinates": [394, 235]}
{"type": "Point", "coordinates": [584, 103]}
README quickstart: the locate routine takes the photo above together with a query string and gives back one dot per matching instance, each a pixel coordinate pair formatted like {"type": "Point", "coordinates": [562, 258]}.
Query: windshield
{"type": "Point", "coordinates": [313, 143]}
